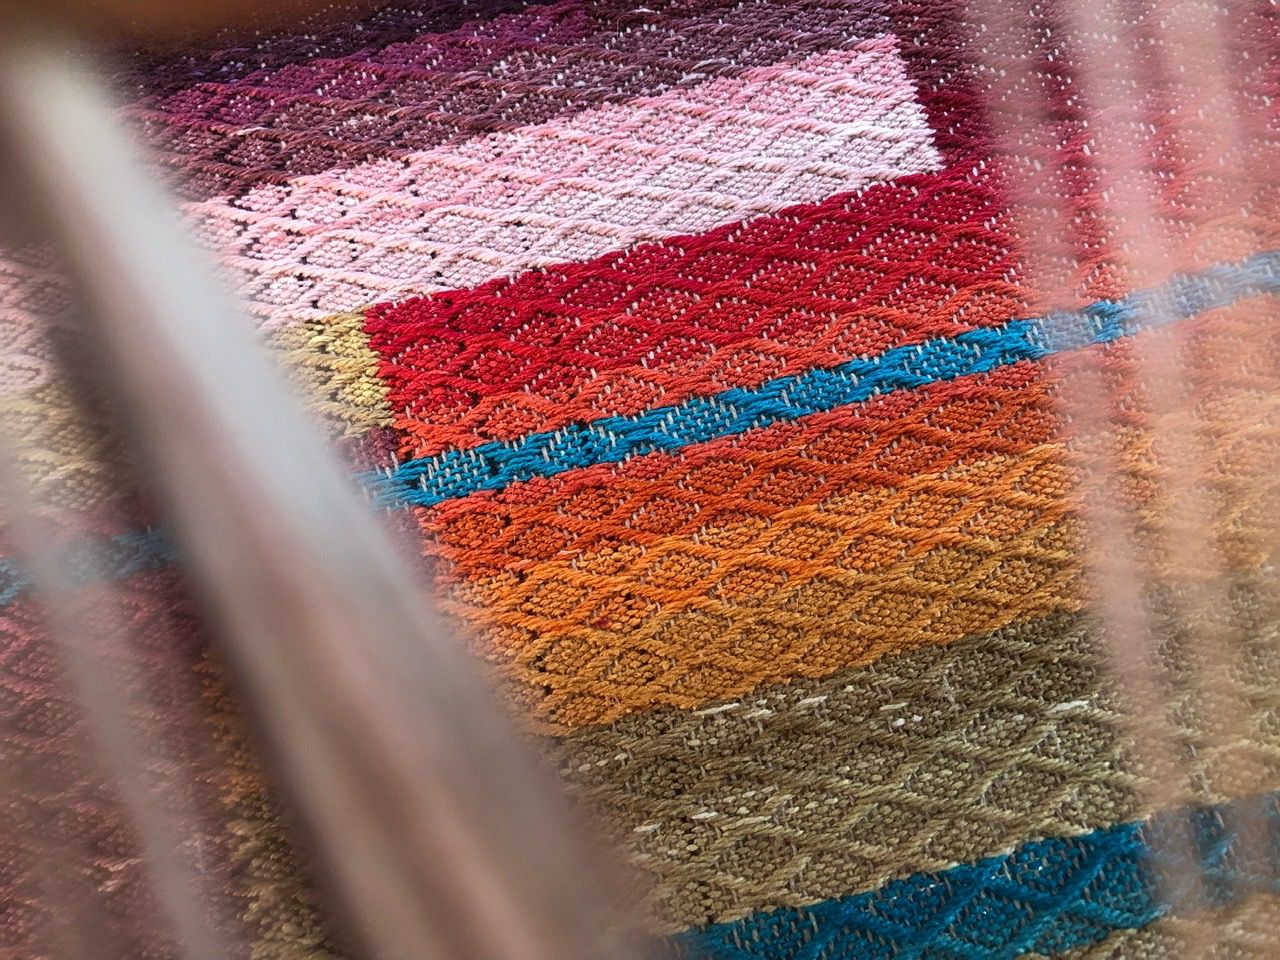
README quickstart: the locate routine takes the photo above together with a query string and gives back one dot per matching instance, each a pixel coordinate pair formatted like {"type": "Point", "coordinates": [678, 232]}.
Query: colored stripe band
{"type": "Point", "coordinates": [90, 562]}
{"type": "Point", "coordinates": [1046, 896]}
{"type": "Point", "coordinates": [456, 473]}
{"type": "Point", "coordinates": [431, 480]}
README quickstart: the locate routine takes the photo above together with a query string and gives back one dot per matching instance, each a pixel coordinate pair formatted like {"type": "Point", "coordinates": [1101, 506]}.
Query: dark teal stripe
{"type": "Point", "coordinates": [92, 561]}
{"type": "Point", "coordinates": [492, 466]}
{"type": "Point", "coordinates": [1047, 896]}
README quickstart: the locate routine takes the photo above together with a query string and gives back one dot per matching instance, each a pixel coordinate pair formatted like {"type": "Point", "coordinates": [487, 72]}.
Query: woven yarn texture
{"type": "Point", "coordinates": [697, 347]}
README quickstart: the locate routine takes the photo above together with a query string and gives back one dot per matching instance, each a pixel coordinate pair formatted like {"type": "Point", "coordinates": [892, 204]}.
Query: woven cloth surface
{"type": "Point", "coordinates": [708, 354]}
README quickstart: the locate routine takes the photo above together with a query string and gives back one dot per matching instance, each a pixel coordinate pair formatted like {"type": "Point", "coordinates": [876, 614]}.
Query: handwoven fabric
{"type": "Point", "coordinates": [697, 347]}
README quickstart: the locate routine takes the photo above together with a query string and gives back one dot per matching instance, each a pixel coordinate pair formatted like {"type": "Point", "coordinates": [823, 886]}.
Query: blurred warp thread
{"type": "Point", "coordinates": [847, 430]}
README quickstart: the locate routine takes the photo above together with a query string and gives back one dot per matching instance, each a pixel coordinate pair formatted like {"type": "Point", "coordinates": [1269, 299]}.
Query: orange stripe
{"type": "Point", "coordinates": [757, 630]}
{"type": "Point", "coordinates": [685, 619]}
{"type": "Point", "coordinates": [820, 587]}
{"type": "Point", "coordinates": [757, 475]}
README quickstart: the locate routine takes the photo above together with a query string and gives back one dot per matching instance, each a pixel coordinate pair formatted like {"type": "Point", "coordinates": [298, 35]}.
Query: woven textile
{"type": "Point", "coordinates": [704, 349]}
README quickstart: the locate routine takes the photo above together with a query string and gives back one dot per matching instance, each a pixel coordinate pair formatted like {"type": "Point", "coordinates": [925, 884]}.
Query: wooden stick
{"type": "Point", "coordinates": [440, 835]}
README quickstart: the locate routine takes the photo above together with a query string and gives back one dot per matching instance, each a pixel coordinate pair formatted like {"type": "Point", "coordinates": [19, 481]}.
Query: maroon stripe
{"type": "Point", "coordinates": [222, 60]}
{"type": "Point", "coordinates": [274, 124]}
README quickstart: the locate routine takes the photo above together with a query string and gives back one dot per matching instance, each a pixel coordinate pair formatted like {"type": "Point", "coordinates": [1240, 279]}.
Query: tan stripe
{"type": "Point", "coordinates": [819, 789]}
{"type": "Point", "coordinates": [72, 454]}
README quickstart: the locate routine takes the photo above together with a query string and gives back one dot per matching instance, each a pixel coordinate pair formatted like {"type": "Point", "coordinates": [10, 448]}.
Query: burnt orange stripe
{"type": "Point", "coordinates": [750, 561]}
{"type": "Point", "coordinates": [727, 643]}
{"type": "Point", "coordinates": [744, 560]}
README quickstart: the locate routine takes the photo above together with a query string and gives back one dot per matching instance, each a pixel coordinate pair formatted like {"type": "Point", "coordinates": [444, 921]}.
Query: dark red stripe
{"type": "Point", "coordinates": [813, 285]}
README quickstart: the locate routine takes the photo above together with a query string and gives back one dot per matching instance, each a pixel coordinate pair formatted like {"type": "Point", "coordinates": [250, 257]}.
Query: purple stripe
{"type": "Point", "coordinates": [324, 35]}
{"type": "Point", "coordinates": [522, 69]}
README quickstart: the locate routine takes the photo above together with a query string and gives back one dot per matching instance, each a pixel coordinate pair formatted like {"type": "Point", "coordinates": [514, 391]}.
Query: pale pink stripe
{"type": "Point", "coordinates": [574, 188]}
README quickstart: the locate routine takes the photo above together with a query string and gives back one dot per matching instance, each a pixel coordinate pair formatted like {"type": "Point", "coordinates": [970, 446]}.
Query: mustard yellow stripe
{"type": "Point", "coordinates": [331, 361]}
{"type": "Point", "coordinates": [71, 453]}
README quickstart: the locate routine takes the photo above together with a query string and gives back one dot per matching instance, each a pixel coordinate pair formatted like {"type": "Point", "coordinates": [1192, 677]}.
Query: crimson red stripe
{"type": "Point", "coordinates": [924, 256]}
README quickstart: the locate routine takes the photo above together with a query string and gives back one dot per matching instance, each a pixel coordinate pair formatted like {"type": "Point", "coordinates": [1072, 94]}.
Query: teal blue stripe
{"type": "Point", "coordinates": [91, 561]}
{"type": "Point", "coordinates": [1047, 896]}
{"type": "Point", "coordinates": [456, 473]}
{"type": "Point", "coordinates": [492, 466]}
